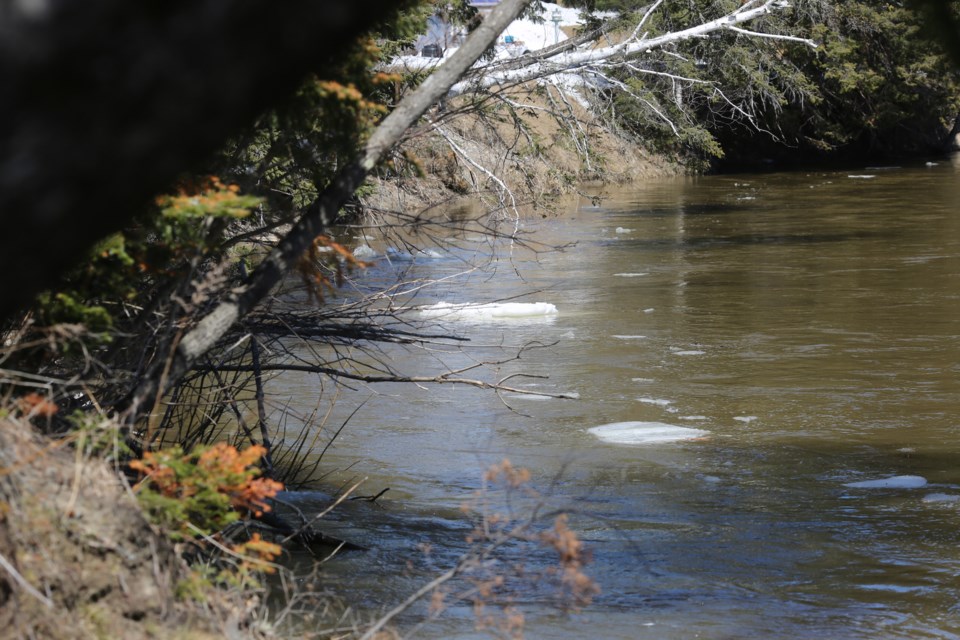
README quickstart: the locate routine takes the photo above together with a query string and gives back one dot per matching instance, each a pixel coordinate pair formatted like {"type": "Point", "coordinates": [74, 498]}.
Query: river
{"type": "Point", "coordinates": [809, 321]}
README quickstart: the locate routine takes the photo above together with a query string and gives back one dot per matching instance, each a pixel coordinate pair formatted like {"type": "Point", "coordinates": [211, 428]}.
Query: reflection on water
{"type": "Point", "coordinates": [809, 322]}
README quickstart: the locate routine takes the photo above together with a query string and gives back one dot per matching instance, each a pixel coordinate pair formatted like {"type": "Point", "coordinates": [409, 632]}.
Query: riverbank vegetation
{"type": "Point", "coordinates": [184, 209]}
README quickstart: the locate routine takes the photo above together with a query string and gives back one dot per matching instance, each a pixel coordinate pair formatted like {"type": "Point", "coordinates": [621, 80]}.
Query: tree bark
{"type": "Point", "coordinates": [284, 257]}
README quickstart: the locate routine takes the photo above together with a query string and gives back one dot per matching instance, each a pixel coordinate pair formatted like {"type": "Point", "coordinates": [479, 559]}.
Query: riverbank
{"type": "Point", "coordinates": [79, 559]}
{"type": "Point", "coordinates": [529, 149]}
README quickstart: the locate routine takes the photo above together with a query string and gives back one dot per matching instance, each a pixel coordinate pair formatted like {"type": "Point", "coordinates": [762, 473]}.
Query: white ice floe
{"type": "Point", "coordinates": [864, 176]}
{"type": "Point", "coordinates": [645, 433]}
{"type": "Point", "coordinates": [645, 380]}
{"type": "Point", "coordinates": [624, 230]}
{"type": "Point", "coordinates": [896, 482]}
{"type": "Point", "coordinates": [660, 402]}
{"type": "Point", "coordinates": [941, 498]}
{"type": "Point", "coordinates": [650, 310]}
{"type": "Point", "coordinates": [364, 252]}
{"type": "Point", "coordinates": [693, 417]}
{"type": "Point", "coordinates": [626, 337]}
{"type": "Point", "coordinates": [490, 312]}
{"type": "Point", "coordinates": [630, 275]}
{"type": "Point", "coordinates": [688, 352]}
{"type": "Point", "coordinates": [407, 256]}
{"type": "Point", "coordinates": [747, 419]}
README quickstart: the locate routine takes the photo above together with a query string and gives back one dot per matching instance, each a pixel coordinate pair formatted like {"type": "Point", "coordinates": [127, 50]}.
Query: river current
{"type": "Point", "coordinates": [809, 321]}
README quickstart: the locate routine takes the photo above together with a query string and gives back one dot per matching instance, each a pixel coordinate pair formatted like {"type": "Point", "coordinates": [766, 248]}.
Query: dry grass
{"type": "Point", "coordinates": [79, 560]}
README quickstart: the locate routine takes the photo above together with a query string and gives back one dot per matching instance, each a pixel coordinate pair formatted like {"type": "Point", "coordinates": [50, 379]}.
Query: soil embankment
{"type": "Point", "coordinates": [530, 148]}
{"type": "Point", "coordinates": [79, 560]}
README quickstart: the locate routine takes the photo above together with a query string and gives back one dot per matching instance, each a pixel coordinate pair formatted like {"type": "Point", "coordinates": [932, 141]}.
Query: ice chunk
{"type": "Point", "coordinates": [364, 252]}
{"type": "Point", "coordinates": [896, 482]}
{"type": "Point", "coordinates": [941, 498]}
{"type": "Point", "coordinates": [404, 256]}
{"type": "Point", "coordinates": [486, 312]}
{"type": "Point", "coordinates": [688, 352]}
{"type": "Point", "coordinates": [645, 433]}
{"type": "Point", "coordinates": [747, 419]}
{"type": "Point", "coordinates": [660, 402]}
{"type": "Point", "coordinates": [630, 275]}
{"type": "Point", "coordinates": [624, 230]}
{"type": "Point", "coordinates": [622, 337]}
{"type": "Point", "coordinates": [862, 177]}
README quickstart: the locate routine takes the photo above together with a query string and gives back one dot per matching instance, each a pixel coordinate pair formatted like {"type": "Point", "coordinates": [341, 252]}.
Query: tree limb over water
{"type": "Point", "coordinates": [190, 346]}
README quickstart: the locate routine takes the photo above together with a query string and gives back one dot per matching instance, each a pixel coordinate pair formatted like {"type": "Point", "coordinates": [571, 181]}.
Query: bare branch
{"type": "Point", "coordinates": [212, 327]}
{"type": "Point", "coordinates": [565, 62]}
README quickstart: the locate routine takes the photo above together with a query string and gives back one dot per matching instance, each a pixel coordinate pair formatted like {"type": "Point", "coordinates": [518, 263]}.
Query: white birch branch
{"type": "Point", "coordinates": [564, 62]}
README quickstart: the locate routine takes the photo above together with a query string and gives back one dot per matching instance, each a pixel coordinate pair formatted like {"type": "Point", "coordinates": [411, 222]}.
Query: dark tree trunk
{"type": "Point", "coordinates": [105, 102]}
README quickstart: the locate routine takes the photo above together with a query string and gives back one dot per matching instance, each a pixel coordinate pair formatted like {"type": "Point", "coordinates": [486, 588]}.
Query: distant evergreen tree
{"type": "Point", "coordinates": [879, 84]}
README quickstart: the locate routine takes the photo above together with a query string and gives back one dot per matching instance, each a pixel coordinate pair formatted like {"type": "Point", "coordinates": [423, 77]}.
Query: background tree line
{"type": "Point", "coordinates": [880, 85]}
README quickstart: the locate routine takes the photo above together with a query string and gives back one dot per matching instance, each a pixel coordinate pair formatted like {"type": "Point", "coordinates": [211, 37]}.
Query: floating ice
{"type": "Point", "coordinates": [862, 177]}
{"type": "Point", "coordinates": [624, 230]}
{"type": "Point", "coordinates": [623, 337]}
{"type": "Point", "coordinates": [493, 311]}
{"type": "Point", "coordinates": [645, 433]}
{"type": "Point", "coordinates": [747, 419]}
{"type": "Point", "coordinates": [660, 402]}
{"type": "Point", "coordinates": [630, 275]}
{"type": "Point", "coordinates": [650, 310]}
{"type": "Point", "coordinates": [642, 379]}
{"type": "Point", "coordinates": [896, 482]}
{"type": "Point", "coordinates": [364, 252]}
{"type": "Point", "coordinates": [404, 256]}
{"type": "Point", "coordinates": [941, 498]}
{"type": "Point", "coordinates": [688, 352]}
{"type": "Point", "coordinates": [693, 417]}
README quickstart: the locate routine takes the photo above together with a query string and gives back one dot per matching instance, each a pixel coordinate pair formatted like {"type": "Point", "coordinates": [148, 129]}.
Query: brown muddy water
{"type": "Point", "coordinates": [809, 321]}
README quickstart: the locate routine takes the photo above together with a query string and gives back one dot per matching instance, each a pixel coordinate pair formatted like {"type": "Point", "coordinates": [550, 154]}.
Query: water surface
{"type": "Point", "coordinates": [809, 321]}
